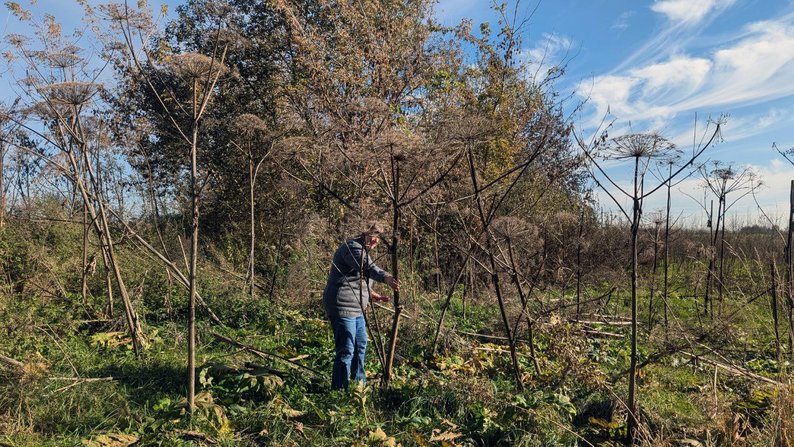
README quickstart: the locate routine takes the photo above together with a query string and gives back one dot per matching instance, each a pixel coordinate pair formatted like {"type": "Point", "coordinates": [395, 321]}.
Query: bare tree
{"type": "Point", "coordinates": [60, 88]}
{"type": "Point", "coordinates": [183, 104]}
{"type": "Point", "coordinates": [670, 163]}
{"type": "Point", "coordinates": [723, 180]}
{"type": "Point", "coordinates": [9, 132]}
{"type": "Point", "coordinates": [256, 146]}
{"type": "Point", "coordinates": [640, 149]}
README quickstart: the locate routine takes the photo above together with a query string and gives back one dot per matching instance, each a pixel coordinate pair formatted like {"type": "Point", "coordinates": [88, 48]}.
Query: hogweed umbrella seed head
{"type": "Point", "coordinates": [16, 9]}
{"type": "Point", "coordinates": [69, 93]}
{"type": "Point", "coordinates": [470, 128]}
{"type": "Point", "coordinates": [66, 58]}
{"type": "Point", "coordinates": [218, 9]}
{"type": "Point", "coordinates": [375, 106]}
{"type": "Point", "coordinates": [670, 160]}
{"type": "Point", "coordinates": [724, 173]}
{"type": "Point", "coordinates": [17, 40]}
{"type": "Point", "coordinates": [639, 145]}
{"type": "Point", "coordinates": [5, 114]}
{"type": "Point", "coordinates": [512, 228]}
{"type": "Point", "coordinates": [134, 18]}
{"type": "Point", "coordinates": [194, 66]}
{"type": "Point", "coordinates": [398, 142]}
{"type": "Point", "coordinates": [249, 124]}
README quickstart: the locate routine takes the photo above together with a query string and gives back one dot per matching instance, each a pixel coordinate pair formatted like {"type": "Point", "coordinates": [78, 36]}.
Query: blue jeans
{"type": "Point", "coordinates": [350, 338]}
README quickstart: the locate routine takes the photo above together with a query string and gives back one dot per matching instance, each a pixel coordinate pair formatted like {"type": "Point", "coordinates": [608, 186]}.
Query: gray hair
{"type": "Point", "coordinates": [373, 229]}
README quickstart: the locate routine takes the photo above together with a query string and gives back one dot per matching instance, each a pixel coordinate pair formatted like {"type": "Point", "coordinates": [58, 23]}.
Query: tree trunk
{"type": "Point", "coordinates": [773, 274]}
{"type": "Point", "coordinates": [633, 421]}
{"type": "Point", "coordinates": [251, 184]}
{"type": "Point", "coordinates": [436, 251]}
{"type": "Point", "coordinates": [495, 274]}
{"type": "Point", "coordinates": [721, 278]}
{"type": "Point", "coordinates": [395, 240]}
{"type": "Point", "coordinates": [98, 217]}
{"type": "Point", "coordinates": [167, 298]}
{"type": "Point", "coordinates": [657, 229]}
{"type": "Point", "coordinates": [466, 287]}
{"type": "Point", "coordinates": [109, 284]}
{"type": "Point", "coordinates": [84, 288]}
{"type": "Point", "coordinates": [524, 304]}
{"type": "Point", "coordinates": [790, 275]}
{"type": "Point", "coordinates": [192, 269]}
{"type": "Point", "coordinates": [579, 263]}
{"type": "Point", "coordinates": [667, 252]}
{"type": "Point", "coordinates": [714, 233]}
{"type": "Point", "coordinates": [445, 306]}
{"type": "Point", "coordinates": [2, 183]}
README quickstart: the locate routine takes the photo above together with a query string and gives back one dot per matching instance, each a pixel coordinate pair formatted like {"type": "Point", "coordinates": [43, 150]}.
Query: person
{"type": "Point", "coordinates": [347, 294]}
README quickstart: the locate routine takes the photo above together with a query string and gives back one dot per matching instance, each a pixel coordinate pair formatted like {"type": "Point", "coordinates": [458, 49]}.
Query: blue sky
{"type": "Point", "coordinates": [655, 65]}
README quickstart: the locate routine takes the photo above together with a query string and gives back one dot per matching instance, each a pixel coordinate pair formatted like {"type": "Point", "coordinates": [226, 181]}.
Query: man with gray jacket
{"type": "Point", "coordinates": [347, 295]}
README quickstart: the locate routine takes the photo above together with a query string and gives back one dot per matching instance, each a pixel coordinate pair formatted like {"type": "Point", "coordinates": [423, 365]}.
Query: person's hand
{"type": "Point", "coordinates": [392, 282]}
{"type": "Point", "coordinates": [380, 298]}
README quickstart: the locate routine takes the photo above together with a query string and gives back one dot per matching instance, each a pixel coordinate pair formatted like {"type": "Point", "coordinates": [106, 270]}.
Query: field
{"type": "Point", "coordinates": [82, 383]}
{"type": "Point", "coordinates": [176, 186]}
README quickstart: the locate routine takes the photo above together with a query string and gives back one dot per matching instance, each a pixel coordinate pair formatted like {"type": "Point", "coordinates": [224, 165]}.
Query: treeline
{"type": "Point", "coordinates": [254, 136]}
{"type": "Point", "coordinates": [288, 122]}
{"type": "Point", "coordinates": [249, 138]}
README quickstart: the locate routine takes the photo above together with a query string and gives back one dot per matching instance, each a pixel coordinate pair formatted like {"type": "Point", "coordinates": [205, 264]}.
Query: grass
{"type": "Point", "coordinates": [465, 395]}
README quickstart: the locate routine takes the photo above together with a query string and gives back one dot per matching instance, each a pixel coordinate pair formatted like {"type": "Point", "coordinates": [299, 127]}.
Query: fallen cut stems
{"type": "Point", "coordinates": [79, 380]}
{"type": "Point", "coordinates": [12, 363]}
{"type": "Point", "coordinates": [265, 355]}
{"type": "Point", "coordinates": [735, 370]}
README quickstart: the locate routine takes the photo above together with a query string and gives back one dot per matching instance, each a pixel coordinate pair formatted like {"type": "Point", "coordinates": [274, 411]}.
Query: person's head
{"type": "Point", "coordinates": [372, 235]}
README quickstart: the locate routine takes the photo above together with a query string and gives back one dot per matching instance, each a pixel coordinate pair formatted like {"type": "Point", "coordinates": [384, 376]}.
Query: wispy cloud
{"type": "Point", "coordinates": [686, 19]}
{"type": "Point", "coordinates": [772, 198]}
{"type": "Point", "coordinates": [757, 67]}
{"type": "Point", "coordinates": [622, 22]}
{"type": "Point", "coordinates": [551, 51]}
{"type": "Point", "coordinates": [689, 12]}
{"type": "Point", "coordinates": [678, 73]}
{"type": "Point", "coordinates": [649, 92]}
{"type": "Point", "coordinates": [738, 128]}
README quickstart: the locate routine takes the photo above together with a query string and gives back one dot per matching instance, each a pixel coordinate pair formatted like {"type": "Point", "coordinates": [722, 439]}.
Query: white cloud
{"type": "Point", "coordinates": [647, 93]}
{"type": "Point", "coordinates": [611, 93]}
{"type": "Point", "coordinates": [738, 128]}
{"type": "Point", "coordinates": [689, 11]}
{"type": "Point", "coordinates": [622, 22]}
{"type": "Point", "coordinates": [772, 196]}
{"type": "Point", "coordinates": [549, 52]}
{"type": "Point", "coordinates": [755, 68]}
{"type": "Point", "coordinates": [686, 20]}
{"type": "Point", "coordinates": [677, 72]}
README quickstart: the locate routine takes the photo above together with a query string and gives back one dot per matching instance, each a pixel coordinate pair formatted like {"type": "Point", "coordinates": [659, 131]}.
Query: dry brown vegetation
{"type": "Point", "coordinates": [202, 171]}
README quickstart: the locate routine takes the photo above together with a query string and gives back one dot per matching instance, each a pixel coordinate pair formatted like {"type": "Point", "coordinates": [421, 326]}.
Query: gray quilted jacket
{"type": "Point", "coordinates": [346, 293]}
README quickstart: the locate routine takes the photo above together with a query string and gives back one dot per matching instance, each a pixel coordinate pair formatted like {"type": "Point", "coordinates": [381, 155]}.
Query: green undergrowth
{"type": "Point", "coordinates": [462, 396]}
{"type": "Point", "coordinates": [84, 386]}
